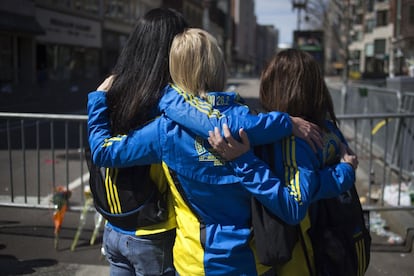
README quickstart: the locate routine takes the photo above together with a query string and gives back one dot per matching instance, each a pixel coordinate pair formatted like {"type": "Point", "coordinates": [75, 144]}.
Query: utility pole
{"type": "Point", "coordinates": [299, 5]}
{"type": "Point", "coordinates": [228, 34]}
{"type": "Point", "coordinates": [206, 15]}
{"type": "Point", "coordinates": [346, 38]}
{"type": "Point", "coordinates": [391, 57]}
{"type": "Point", "coordinates": [393, 40]}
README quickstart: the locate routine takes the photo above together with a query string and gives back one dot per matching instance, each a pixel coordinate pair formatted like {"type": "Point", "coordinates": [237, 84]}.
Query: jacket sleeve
{"type": "Point", "coordinates": [303, 169]}
{"type": "Point", "coordinates": [304, 181]}
{"type": "Point", "coordinates": [139, 147]}
{"type": "Point", "coordinates": [258, 179]}
{"type": "Point", "coordinates": [200, 117]}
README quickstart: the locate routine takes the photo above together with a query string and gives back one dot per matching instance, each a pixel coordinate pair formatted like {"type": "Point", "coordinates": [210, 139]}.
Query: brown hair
{"type": "Point", "coordinates": [196, 62]}
{"type": "Point", "coordinates": [293, 83]}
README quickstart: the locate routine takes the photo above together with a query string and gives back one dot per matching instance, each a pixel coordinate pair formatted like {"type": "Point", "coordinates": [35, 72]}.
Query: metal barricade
{"type": "Point", "coordinates": [384, 143]}
{"type": "Point", "coordinates": [392, 132]}
{"type": "Point", "coordinates": [40, 152]}
{"type": "Point", "coordinates": [383, 161]}
{"type": "Point", "coordinates": [365, 99]}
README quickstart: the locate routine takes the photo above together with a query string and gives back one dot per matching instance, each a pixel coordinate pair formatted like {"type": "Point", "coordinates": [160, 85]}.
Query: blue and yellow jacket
{"type": "Point", "coordinates": [292, 158]}
{"type": "Point", "coordinates": [212, 203]}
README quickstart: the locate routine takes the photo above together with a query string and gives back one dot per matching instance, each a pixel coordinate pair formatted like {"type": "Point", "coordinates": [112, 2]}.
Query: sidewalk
{"type": "Point", "coordinates": [389, 256]}
{"type": "Point", "coordinates": [27, 245]}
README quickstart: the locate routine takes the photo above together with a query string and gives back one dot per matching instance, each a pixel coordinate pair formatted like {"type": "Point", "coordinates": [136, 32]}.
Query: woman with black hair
{"type": "Point", "coordinates": [138, 78]}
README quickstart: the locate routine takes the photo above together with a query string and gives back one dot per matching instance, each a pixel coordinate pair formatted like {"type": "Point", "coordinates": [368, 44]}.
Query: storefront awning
{"type": "Point", "coordinates": [20, 23]}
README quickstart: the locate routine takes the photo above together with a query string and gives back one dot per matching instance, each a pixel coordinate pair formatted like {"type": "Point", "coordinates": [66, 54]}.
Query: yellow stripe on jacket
{"type": "Point", "coordinates": [111, 191]}
{"type": "Point", "coordinates": [188, 252]}
{"type": "Point", "coordinates": [201, 106]}
{"type": "Point", "coordinates": [157, 175]}
{"type": "Point", "coordinates": [297, 265]}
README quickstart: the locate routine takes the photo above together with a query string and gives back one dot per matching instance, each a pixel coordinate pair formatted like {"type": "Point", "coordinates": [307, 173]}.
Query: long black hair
{"type": "Point", "coordinates": [142, 69]}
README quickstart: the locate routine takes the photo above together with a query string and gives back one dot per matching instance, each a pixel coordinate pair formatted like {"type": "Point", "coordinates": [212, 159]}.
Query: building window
{"type": "Point", "coordinates": [71, 63]}
{"type": "Point", "coordinates": [119, 10]}
{"type": "Point", "coordinates": [357, 36]}
{"type": "Point", "coordinates": [355, 58]}
{"type": "Point", "coordinates": [66, 3]}
{"type": "Point", "coordinates": [359, 18]}
{"type": "Point", "coordinates": [6, 59]}
{"type": "Point", "coordinates": [369, 50]}
{"type": "Point", "coordinates": [382, 18]}
{"type": "Point", "coordinates": [411, 15]}
{"type": "Point", "coordinates": [370, 5]}
{"type": "Point", "coordinates": [360, 35]}
{"type": "Point", "coordinates": [379, 46]}
{"type": "Point", "coordinates": [90, 6]}
{"type": "Point", "coordinates": [356, 54]}
{"type": "Point", "coordinates": [370, 25]}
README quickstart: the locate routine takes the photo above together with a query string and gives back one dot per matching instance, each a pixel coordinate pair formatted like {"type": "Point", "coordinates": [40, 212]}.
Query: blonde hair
{"type": "Point", "coordinates": [196, 63]}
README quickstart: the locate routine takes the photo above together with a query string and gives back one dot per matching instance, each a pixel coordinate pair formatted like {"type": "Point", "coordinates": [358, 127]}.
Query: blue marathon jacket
{"type": "Point", "coordinates": [211, 196]}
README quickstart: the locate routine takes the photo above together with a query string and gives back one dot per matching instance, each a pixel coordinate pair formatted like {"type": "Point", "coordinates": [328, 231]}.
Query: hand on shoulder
{"type": "Point", "coordinates": [348, 156]}
{"type": "Point", "coordinates": [106, 84]}
{"type": "Point", "coordinates": [228, 147]}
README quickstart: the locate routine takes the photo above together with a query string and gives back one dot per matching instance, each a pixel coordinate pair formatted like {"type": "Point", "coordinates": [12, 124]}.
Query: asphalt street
{"type": "Point", "coordinates": [27, 247]}
{"type": "Point", "coordinates": [27, 244]}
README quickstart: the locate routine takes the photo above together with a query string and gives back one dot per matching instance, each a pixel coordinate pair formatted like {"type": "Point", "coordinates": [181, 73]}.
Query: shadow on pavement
{"type": "Point", "coordinates": [10, 265]}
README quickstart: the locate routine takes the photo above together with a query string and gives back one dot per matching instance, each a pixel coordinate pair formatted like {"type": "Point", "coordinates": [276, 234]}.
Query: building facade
{"type": "Point", "coordinates": [244, 36]}
{"type": "Point", "coordinates": [371, 33]}
{"type": "Point", "coordinates": [58, 48]}
{"type": "Point", "coordinates": [205, 14]}
{"type": "Point", "coordinates": [402, 54]}
{"type": "Point", "coordinates": [382, 38]}
{"type": "Point", "coordinates": [267, 38]}
{"type": "Point", "coordinates": [65, 48]}
{"type": "Point", "coordinates": [18, 31]}
{"type": "Point", "coordinates": [69, 50]}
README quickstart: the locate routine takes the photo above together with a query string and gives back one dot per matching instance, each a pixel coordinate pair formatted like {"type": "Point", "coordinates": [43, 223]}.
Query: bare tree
{"type": "Point", "coordinates": [333, 17]}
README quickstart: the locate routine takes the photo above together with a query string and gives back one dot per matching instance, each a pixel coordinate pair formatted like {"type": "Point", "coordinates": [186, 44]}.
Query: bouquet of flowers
{"type": "Point", "coordinates": [60, 201]}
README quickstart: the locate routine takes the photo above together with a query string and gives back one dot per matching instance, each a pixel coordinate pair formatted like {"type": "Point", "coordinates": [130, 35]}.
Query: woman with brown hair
{"type": "Point", "coordinates": [293, 83]}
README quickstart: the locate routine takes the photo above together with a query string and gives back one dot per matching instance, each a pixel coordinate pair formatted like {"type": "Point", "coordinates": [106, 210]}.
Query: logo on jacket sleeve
{"type": "Point", "coordinates": [205, 155]}
{"type": "Point", "coordinates": [331, 149]}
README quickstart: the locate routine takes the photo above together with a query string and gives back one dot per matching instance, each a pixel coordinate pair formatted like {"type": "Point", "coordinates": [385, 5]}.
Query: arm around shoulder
{"type": "Point", "coordinates": [137, 148]}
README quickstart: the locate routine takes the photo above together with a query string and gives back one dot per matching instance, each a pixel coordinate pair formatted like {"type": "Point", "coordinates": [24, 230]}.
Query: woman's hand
{"type": "Point", "coordinates": [348, 156]}
{"type": "Point", "coordinates": [106, 84]}
{"type": "Point", "coordinates": [308, 131]}
{"type": "Point", "coordinates": [228, 147]}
